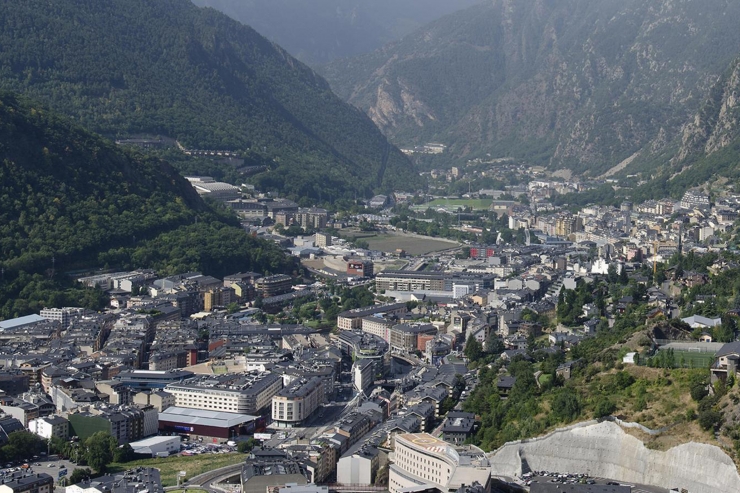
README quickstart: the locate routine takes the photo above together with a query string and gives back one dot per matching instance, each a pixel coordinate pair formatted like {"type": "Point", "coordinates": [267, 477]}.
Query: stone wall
{"type": "Point", "coordinates": [605, 450]}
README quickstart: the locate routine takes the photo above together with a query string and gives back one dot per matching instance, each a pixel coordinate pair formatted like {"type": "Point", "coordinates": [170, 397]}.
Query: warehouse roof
{"type": "Point", "coordinates": [204, 417]}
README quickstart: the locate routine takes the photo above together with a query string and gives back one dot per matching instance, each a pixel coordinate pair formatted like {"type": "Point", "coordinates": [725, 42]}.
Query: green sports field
{"type": "Point", "coordinates": [475, 204]}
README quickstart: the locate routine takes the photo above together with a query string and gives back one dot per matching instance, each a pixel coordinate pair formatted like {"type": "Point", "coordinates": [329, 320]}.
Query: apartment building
{"type": "Point", "coordinates": [295, 403]}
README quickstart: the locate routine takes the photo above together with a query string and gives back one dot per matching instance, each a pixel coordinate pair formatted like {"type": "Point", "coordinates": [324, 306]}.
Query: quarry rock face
{"type": "Point", "coordinates": [605, 450]}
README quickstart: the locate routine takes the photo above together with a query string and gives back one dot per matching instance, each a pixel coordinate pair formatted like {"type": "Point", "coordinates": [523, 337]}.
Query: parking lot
{"type": "Point", "coordinates": [565, 478]}
{"type": "Point", "coordinates": [52, 467]}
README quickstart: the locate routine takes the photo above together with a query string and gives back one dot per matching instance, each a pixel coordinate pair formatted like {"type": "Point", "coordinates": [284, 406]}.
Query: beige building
{"type": "Point", "coordinates": [247, 399]}
{"type": "Point", "coordinates": [292, 405]}
{"type": "Point", "coordinates": [322, 240]}
{"type": "Point", "coordinates": [160, 400]}
{"type": "Point", "coordinates": [421, 459]}
{"type": "Point", "coordinates": [377, 326]}
{"type": "Point", "coordinates": [352, 319]}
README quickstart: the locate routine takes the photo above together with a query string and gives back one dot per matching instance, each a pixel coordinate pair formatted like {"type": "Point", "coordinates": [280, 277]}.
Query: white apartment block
{"type": "Point", "coordinates": [49, 426]}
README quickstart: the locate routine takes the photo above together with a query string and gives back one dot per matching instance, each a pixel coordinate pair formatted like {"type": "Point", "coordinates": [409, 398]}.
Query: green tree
{"type": "Point", "coordinates": [473, 349]}
{"type": "Point", "coordinates": [604, 407]}
{"type": "Point", "coordinates": [247, 445]}
{"type": "Point", "coordinates": [99, 448]}
{"type": "Point", "coordinates": [124, 453]}
{"type": "Point", "coordinates": [79, 474]}
{"type": "Point", "coordinates": [566, 406]}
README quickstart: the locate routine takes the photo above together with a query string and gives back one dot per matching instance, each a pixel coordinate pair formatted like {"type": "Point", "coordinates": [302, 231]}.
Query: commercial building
{"type": "Point", "coordinates": [267, 469]}
{"type": "Point", "coordinates": [404, 337]}
{"type": "Point", "coordinates": [152, 379]}
{"type": "Point", "coordinates": [209, 425]}
{"type": "Point", "coordinates": [430, 281]}
{"type": "Point", "coordinates": [208, 187]}
{"type": "Point", "coordinates": [250, 395]}
{"type": "Point", "coordinates": [273, 285]}
{"type": "Point", "coordinates": [482, 252]}
{"type": "Point", "coordinates": [409, 281]}
{"type": "Point", "coordinates": [421, 459]}
{"type": "Point", "coordinates": [157, 445]}
{"type": "Point", "coordinates": [352, 319]}
{"type": "Point", "coordinates": [292, 405]}
{"type": "Point", "coordinates": [360, 268]}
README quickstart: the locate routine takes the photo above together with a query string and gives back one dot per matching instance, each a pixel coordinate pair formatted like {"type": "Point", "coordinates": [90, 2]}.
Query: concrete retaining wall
{"type": "Point", "coordinates": [605, 450]}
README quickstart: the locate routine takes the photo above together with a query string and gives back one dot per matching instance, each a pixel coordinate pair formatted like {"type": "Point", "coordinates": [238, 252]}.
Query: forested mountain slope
{"type": "Point", "coordinates": [167, 67]}
{"type": "Point", "coordinates": [578, 84]}
{"type": "Point", "coordinates": [318, 31]}
{"type": "Point", "coordinates": [70, 199]}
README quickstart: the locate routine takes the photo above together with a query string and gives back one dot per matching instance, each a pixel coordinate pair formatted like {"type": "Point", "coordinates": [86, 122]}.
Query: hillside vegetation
{"type": "Point", "coordinates": [70, 199]}
{"type": "Point", "coordinates": [132, 67]}
{"type": "Point", "coordinates": [580, 84]}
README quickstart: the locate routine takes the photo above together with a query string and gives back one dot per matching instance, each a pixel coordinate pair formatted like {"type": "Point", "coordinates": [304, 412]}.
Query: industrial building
{"type": "Point", "coordinates": [210, 425]}
{"type": "Point", "coordinates": [157, 446]}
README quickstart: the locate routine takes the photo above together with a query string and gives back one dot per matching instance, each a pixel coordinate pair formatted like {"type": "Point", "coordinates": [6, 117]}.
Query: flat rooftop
{"type": "Point", "coordinates": [204, 417]}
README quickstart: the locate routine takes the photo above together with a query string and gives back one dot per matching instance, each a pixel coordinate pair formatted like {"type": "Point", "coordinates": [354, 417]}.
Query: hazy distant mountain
{"type": "Point", "coordinates": [581, 84]}
{"type": "Point", "coordinates": [318, 31]}
{"type": "Point", "coordinates": [167, 67]}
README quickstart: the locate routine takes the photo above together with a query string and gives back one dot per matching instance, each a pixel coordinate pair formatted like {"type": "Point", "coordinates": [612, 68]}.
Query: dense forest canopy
{"type": "Point", "coordinates": [133, 67]}
{"type": "Point", "coordinates": [70, 199]}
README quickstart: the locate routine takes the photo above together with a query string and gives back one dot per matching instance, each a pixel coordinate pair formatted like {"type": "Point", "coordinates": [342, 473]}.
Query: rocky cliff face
{"type": "Point", "coordinates": [718, 123]}
{"type": "Point", "coordinates": [588, 82]}
{"type": "Point", "coordinates": [605, 450]}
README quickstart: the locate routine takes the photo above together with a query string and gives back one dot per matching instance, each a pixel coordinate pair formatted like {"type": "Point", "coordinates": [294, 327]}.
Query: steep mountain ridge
{"type": "Point", "coordinates": [581, 84]}
{"type": "Point", "coordinates": [318, 31]}
{"type": "Point", "coordinates": [167, 67]}
{"type": "Point", "coordinates": [718, 122]}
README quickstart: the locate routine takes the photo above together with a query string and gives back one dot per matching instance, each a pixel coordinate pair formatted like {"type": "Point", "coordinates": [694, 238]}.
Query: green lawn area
{"type": "Point", "coordinates": [475, 204]}
{"type": "Point", "coordinates": [193, 465]}
{"type": "Point", "coordinates": [411, 244]}
{"type": "Point", "coordinates": [545, 379]}
{"type": "Point", "coordinates": [693, 359]}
